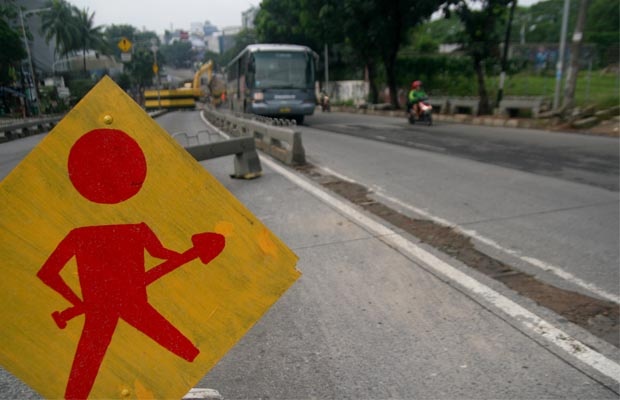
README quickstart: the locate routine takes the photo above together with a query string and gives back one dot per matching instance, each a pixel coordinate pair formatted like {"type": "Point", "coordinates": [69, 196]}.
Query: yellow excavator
{"type": "Point", "coordinates": [186, 96]}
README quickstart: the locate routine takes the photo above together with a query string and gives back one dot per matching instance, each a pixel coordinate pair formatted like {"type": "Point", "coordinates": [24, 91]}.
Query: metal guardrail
{"type": "Point", "coordinates": [280, 142]}
{"type": "Point", "coordinates": [18, 128]}
{"type": "Point", "coordinates": [22, 128]}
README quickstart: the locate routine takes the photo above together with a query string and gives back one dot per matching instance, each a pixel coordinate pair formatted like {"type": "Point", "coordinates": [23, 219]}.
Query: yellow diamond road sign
{"type": "Point", "coordinates": [128, 271]}
{"type": "Point", "coordinates": [125, 45]}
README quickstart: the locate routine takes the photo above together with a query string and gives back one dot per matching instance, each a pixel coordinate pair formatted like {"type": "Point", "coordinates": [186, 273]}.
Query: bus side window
{"type": "Point", "coordinates": [238, 78]}
{"type": "Point", "coordinates": [309, 69]}
{"type": "Point", "coordinates": [251, 72]}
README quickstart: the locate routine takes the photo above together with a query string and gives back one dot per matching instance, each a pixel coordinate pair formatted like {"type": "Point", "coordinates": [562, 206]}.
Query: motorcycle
{"type": "Point", "coordinates": [425, 113]}
{"type": "Point", "coordinates": [324, 102]}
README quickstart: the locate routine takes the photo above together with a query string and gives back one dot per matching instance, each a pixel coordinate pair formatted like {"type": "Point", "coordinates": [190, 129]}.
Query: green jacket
{"type": "Point", "coordinates": [416, 95]}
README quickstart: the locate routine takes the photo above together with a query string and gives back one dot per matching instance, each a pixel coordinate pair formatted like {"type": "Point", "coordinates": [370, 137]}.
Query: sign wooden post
{"type": "Point", "coordinates": [128, 271]}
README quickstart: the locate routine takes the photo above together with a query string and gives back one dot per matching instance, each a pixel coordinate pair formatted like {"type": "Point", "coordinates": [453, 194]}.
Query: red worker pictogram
{"type": "Point", "coordinates": [107, 166]}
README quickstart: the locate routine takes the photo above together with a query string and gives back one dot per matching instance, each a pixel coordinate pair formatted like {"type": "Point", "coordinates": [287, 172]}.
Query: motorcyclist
{"type": "Point", "coordinates": [416, 94]}
{"type": "Point", "coordinates": [324, 101]}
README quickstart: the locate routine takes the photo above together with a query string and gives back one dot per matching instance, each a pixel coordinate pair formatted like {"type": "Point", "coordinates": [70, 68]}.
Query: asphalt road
{"type": "Point", "coordinates": [367, 319]}
{"type": "Point", "coordinates": [577, 158]}
{"type": "Point", "coordinates": [535, 199]}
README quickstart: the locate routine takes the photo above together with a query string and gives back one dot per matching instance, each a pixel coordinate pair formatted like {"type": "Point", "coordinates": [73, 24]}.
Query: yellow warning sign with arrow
{"type": "Point", "coordinates": [124, 45]}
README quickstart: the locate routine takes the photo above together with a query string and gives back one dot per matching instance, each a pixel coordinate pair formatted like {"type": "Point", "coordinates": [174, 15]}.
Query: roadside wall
{"type": "Point", "coordinates": [341, 91]}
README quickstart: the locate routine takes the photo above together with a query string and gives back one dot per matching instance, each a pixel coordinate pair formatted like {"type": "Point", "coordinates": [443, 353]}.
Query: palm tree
{"type": "Point", "coordinates": [59, 23]}
{"type": "Point", "coordinates": [88, 36]}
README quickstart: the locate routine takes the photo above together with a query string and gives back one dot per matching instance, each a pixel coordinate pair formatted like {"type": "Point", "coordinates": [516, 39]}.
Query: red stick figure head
{"type": "Point", "coordinates": [107, 166]}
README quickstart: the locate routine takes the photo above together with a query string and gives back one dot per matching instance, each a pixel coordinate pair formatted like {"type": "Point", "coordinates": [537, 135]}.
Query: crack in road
{"type": "Point", "coordinates": [599, 317]}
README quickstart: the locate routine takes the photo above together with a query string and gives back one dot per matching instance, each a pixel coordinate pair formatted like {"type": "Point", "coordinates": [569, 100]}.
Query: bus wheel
{"type": "Point", "coordinates": [299, 119]}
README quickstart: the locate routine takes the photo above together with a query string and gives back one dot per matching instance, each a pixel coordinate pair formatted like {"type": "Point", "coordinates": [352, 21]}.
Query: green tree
{"type": "Point", "coordinates": [542, 21]}
{"type": "Point", "coordinates": [215, 57]}
{"type": "Point", "coordinates": [373, 30]}
{"type": "Point", "coordinates": [276, 22]}
{"type": "Point", "coordinates": [603, 29]}
{"type": "Point", "coordinates": [442, 30]}
{"type": "Point", "coordinates": [481, 36]}
{"type": "Point", "coordinates": [141, 67]}
{"type": "Point", "coordinates": [138, 71]}
{"type": "Point", "coordinates": [395, 19]}
{"type": "Point", "coordinates": [361, 38]}
{"type": "Point", "coordinates": [114, 33]}
{"type": "Point", "coordinates": [603, 22]}
{"type": "Point", "coordinates": [376, 30]}
{"type": "Point", "coordinates": [13, 50]}
{"type": "Point", "coordinates": [316, 23]}
{"type": "Point", "coordinates": [59, 24]}
{"type": "Point", "coordinates": [89, 36]}
{"type": "Point", "coordinates": [179, 54]}
{"type": "Point", "coordinates": [243, 39]}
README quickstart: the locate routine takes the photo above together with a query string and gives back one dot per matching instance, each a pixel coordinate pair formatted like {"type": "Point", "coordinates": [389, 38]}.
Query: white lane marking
{"type": "Point", "coordinates": [527, 319]}
{"type": "Point", "coordinates": [200, 393]}
{"type": "Point", "coordinates": [379, 192]}
{"type": "Point", "coordinates": [338, 175]}
{"type": "Point", "coordinates": [427, 147]}
{"type": "Point", "coordinates": [545, 266]}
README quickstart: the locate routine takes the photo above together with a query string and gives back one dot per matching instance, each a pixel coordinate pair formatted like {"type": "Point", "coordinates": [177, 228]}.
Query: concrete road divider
{"type": "Point", "coordinates": [282, 143]}
{"type": "Point", "coordinates": [510, 106]}
{"type": "Point", "coordinates": [460, 105]}
{"type": "Point", "coordinates": [247, 163]}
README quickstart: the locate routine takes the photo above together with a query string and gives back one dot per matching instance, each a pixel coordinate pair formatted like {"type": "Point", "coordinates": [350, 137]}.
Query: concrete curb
{"type": "Point", "coordinates": [607, 128]}
{"type": "Point", "coordinates": [487, 120]}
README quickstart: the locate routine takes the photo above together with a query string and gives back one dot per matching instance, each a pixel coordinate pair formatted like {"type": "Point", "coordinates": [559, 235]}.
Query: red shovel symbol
{"type": "Point", "coordinates": [107, 166]}
{"type": "Point", "coordinates": [206, 247]}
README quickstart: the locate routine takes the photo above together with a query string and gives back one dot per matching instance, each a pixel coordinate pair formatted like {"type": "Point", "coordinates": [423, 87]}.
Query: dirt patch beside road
{"type": "Point", "coordinates": [599, 317]}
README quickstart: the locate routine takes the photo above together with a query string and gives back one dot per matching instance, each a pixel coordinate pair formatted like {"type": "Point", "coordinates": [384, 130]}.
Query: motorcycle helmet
{"type": "Point", "coordinates": [416, 84]}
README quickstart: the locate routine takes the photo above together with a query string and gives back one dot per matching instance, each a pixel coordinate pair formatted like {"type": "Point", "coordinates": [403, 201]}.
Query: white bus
{"type": "Point", "coordinates": [274, 80]}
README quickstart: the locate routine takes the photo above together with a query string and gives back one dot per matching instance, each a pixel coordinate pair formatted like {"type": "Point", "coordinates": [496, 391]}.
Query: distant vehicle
{"type": "Point", "coordinates": [274, 80]}
{"type": "Point", "coordinates": [189, 94]}
{"type": "Point", "coordinates": [425, 115]}
{"type": "Point", "coordinates": [324, 102]}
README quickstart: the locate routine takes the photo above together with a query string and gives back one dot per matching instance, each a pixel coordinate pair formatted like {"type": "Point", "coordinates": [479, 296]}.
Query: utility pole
{"type": "Point", "coordinates": [154, 49]}
{"type": "Point", "coordinates": [27, 45]}
{"type": "Point", "coordinates": [560, 64]}
{"type": "Point", "coordinates": [575, 49]}
{"type": "Point", "coordinates": [326, 69]}
{"type": "Point", "coordinates": [502, 75]}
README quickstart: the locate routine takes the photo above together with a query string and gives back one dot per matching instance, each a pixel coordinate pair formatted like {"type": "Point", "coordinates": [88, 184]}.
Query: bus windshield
{"type": "Point", "coordinates": [274, 70]}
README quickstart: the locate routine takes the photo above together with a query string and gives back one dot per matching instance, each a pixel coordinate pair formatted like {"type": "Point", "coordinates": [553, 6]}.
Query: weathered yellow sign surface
{"type": "Point", "coordinates": [128, 271]}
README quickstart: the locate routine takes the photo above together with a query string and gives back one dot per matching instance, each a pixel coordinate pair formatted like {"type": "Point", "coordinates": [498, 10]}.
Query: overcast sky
{"type": "Point", "coordinates": [156, 15]}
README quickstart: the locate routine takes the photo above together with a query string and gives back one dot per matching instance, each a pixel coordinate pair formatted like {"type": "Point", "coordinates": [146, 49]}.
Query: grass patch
{"type": "Point", "coordinates": [593, 88]}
